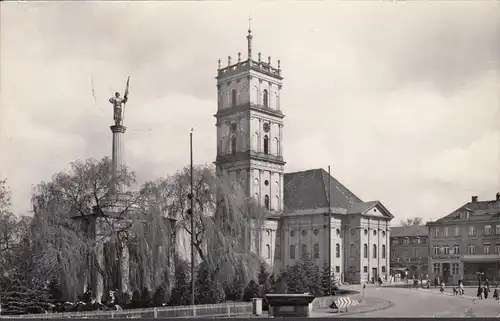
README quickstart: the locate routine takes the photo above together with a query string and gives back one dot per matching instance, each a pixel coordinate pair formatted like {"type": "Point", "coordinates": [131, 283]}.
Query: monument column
{"type": "Point", "coordinates": [117, 155]}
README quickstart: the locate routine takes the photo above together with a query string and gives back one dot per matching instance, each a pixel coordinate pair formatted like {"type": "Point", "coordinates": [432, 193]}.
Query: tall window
{"type": "Point", "coordinates": [457, 230]}
{"type": "Point", "coordinates": [374, 251]}
{"type": "Point", "coordinates": [365, 251]}
{"type": "Point", "coordinates": [486, 248]}
{"type": "Point", "coordinates": [456, 249]}
{"type": "Point", "coordinates": [233, 97]}
{"type": "Point", "coordinates": [435, 250]}
{"type": "Point", "coordinates": [265, 99]}
{"type": "Point", "coordinates": [337, 250]}
{"type": "Point", "coordinates": [383, 251]}
{"type": "Point", "coordinates": [497, 229]}
{"type": "Point", "coordinates": [437, 269]}
{"type": "Point", "coordinates": [446, 249]}
{"type": "Point", "coordinates": [266, 201]}
{"type": "Point", "coordinates": [487, 230]}
{"type": "Point", "coordinates": [268, 251]}
{"type": "Point", "coordinates": [455, 268]}
{"type": "Point", "coordinates": [292, 252]}
{"type": "Point", "coordinates": [436, 231]}
{"type": "Point", "coordinates": [316, 251]}
{"type": "Point", "coordinates": [266, 144]}
{"type": "Point", "coordinates": [446, 231]}
{"type": "Point", "coordinates": [472, 231]}
{"type": "Point", "coordinates": [233, 144]}
{"type": "Point", "coordinates": [303, 249]}
{"type": "Point", "coordinates": [471, 249]}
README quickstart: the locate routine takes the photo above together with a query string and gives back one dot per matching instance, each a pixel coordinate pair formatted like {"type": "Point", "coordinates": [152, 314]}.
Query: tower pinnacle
{"type": "Point", "coordinates": [249, 38]}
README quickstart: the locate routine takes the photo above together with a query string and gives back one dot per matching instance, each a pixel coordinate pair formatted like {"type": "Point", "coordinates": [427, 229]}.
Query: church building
{"type": "Point", "coordinates": [309, 211]}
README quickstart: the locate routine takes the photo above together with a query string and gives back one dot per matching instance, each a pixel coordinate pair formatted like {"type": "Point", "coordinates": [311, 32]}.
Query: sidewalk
{"type": "Point", "coordinates": [368, 304]}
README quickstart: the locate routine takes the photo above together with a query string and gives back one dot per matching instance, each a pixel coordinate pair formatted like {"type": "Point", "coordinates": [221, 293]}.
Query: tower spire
{"type": "Point", "coordinates": [249, 38]}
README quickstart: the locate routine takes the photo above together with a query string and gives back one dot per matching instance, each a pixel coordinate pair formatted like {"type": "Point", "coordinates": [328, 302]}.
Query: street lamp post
{"type": "Point", "coordinates": [191, 198]}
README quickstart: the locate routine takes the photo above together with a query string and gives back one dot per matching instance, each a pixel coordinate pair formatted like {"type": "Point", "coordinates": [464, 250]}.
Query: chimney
{"type": "Point", "coordinates": [474, 199]}
{"type": "Point", "coordinates": [498, 197]}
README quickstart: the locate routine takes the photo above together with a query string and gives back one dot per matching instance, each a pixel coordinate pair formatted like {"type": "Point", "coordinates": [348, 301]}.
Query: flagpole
{"type": "Point", "coordinates": [192, 214]}
{"type": "Point", "coordinates": [125, 96]}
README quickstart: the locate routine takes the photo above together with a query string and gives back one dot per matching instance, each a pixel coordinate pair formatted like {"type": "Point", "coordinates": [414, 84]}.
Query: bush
{"type": "Point", "coordinates": [207, 290]}
{"type": "Point", "coordinates": [145, 298]}
{"type": "Point", "coordinates": [251, 291]}
{"type": "Point", "coordinates": [181, 293]}
{"type": "Point", "coordinates": [136, 301]}
{"type": "Point", "coordinates": [160, 296]}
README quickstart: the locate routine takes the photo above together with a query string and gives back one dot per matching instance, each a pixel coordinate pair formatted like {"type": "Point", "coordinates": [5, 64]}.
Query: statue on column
{"type": "Point", "coordinates": [119, 105]}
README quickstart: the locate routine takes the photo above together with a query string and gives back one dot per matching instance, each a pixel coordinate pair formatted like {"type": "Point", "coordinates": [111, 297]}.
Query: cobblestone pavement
{"type": "Point", "coordinates": [426, 303]}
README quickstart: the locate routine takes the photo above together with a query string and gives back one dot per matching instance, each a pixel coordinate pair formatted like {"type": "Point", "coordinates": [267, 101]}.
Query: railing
{"type": "Point", "coordinates": [207, 310]}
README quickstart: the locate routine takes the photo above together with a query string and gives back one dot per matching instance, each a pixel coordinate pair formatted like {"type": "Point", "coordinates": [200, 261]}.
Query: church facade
{"type": "Point", "coordinates": [307, 212]}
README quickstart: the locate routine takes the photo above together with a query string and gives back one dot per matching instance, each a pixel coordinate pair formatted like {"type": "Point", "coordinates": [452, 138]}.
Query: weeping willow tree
{"type": "Point", "coordinates": [224, 218]}
{"type": "Point", "coordinates": [78, 213]}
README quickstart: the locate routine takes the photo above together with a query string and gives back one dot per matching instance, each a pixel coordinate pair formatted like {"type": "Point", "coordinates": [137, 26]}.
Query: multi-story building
{"type": "Point", "coordinates": [307, 212]}
{"type": "Point", "coordinates": [466, 243]}
{"type": "Point", "coordinates": [410, 250]}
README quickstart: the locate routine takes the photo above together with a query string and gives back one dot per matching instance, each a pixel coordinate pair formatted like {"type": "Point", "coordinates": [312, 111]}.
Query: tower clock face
{"type": "Point", "coordinates": [266, 127]}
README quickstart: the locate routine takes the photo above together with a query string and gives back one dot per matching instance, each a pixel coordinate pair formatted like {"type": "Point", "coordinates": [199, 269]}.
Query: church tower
{"type": "Point", "coordinates": [250, 127]}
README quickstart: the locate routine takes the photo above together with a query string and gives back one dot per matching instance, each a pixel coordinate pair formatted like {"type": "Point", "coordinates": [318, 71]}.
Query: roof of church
{"type": "Point", "coordinates": [309, 190]}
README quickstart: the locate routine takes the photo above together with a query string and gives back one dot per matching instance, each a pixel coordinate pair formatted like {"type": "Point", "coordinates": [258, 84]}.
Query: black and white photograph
{"type": "Point", "coordinates": [249, 159]}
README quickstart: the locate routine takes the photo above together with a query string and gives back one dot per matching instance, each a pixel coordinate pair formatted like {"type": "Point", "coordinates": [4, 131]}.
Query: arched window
{"type": "Point", "coordinates": [337, 250]}
{"type": "Point", "coordinates": [266, 144]}
{"type": "Point", "coordinates": [268, 251]}
{"type": "Point", "coordinates": [233, 97]}
{"type": "Point", "coordinates": [233, 144]}
{"type": "Point", "coordinates": [374, 251]}
{"type": "Point", "coordinates": [266, 201]}
{"type": "Point", "coordinates": [383, 251]}
{"type": "Point", "coordinates": [292, 252]}
{"type": "Point", "coordinates": [316, 251]}
{"type": "Point", "coordinates": [303, 250]}
{"type": "Point", "coordinates": [365, 251]}
{"type": "Point", "coordinates": [265, 99]}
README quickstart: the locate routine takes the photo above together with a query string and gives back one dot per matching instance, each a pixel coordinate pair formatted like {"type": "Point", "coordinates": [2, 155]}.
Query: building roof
{"type": "Point", "coordinates": [409, 231]}
{"type": "Point", "coordinates": [309, 190]}
{"type": "Point", "coordinates": [476, 208]}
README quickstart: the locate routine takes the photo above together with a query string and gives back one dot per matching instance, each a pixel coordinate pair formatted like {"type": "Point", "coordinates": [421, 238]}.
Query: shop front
{"type": "Point", "coordinates": [486, 266]}
{"type": "Point", "coordinates": [448, 268]}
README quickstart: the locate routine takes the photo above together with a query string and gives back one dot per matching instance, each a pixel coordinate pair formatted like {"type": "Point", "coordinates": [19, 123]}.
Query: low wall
{"type": "Point", "coordinates": [324, 302]}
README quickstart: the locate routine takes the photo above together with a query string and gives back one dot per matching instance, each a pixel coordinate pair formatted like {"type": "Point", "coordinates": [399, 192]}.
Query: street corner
{"type": "Point", "coordinates": [366, 305]}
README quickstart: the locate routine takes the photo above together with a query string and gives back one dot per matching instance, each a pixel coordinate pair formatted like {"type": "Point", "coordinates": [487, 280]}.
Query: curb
{"type": "Point", "coordinates": [387, 304]}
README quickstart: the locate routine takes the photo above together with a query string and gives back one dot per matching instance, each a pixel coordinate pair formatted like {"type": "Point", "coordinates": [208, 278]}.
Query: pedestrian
{"type": "Point", "coordinates": [441, 288]}
{"type": "Point", "coordinates": [486, 290]}
{"type": "Point", "coordinates": [495, 294]}
{"type": "Point", "coordinates": [461, 286]}
{"type": "Point", "coordinates": [480, 292]}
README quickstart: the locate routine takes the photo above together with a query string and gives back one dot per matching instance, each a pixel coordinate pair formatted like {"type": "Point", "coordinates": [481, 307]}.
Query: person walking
{"type": "Point", "coordinates": [486, 290]}
{"type": "Point", "coordinates": [479, 292]}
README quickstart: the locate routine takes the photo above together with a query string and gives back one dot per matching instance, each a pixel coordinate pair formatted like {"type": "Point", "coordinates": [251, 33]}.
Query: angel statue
{"type": "Point", "coordinates": [119, 105]}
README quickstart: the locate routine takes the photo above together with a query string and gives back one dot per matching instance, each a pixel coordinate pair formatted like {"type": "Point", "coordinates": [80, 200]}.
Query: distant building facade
{"type": "Point", "coordinates": [410, 250]}
{"type": "Point", "coordinates": [466, 242]}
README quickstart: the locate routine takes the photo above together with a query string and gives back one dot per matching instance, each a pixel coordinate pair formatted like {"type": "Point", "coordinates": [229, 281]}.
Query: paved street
{"type": "Point", "coordinates": [421, 303]}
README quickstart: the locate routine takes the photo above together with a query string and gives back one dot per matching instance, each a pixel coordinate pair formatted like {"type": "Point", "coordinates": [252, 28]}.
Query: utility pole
{"type": "Point", "coordinates": [329, 235]}
{"type": "Point", "coordinates": [191, 210]}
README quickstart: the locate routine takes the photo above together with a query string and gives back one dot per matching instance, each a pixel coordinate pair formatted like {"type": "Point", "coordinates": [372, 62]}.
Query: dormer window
{"type": "Point", "coordinates": [464, 215]}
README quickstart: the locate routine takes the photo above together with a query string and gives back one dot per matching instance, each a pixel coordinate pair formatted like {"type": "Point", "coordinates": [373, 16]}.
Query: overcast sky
{"type": "Point", "coordinates": [400, 98]}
